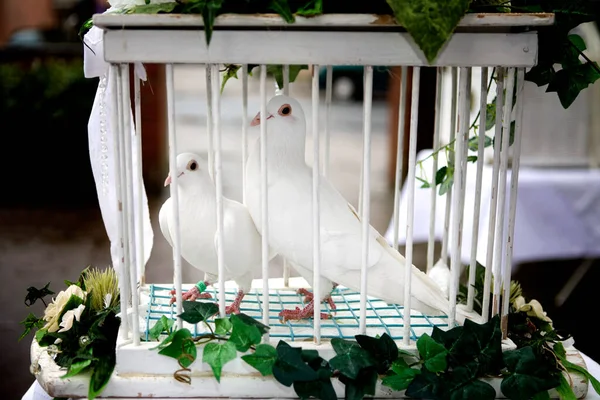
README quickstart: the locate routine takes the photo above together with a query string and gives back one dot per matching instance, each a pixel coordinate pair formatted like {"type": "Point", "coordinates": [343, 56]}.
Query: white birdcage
{"type": "Point", "coordinates": [482, 42]}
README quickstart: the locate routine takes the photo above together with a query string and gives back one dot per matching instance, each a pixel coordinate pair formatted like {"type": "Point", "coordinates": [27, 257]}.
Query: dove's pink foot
{"type": "Point", "coordinates": [190, 295]}
{"type": "Point", "coordinates": [234, 307]}
{"type": "Point", "coordinates": [308, 297]}
{"type": "Point", "coordinates": [304, 313]}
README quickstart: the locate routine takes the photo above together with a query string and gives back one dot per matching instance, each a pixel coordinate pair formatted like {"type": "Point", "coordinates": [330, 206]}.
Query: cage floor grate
{"type": "Point", "coordinates": [344, 322]}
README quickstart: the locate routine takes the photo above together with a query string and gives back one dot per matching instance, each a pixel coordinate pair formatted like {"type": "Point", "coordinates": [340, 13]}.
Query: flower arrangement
{"type": "Point", "coordinates": [79, 326]}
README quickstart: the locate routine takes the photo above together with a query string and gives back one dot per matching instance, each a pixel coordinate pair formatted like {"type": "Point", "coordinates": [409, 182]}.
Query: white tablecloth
{"type": "Point", "coordinates": [36, 392]}
{"type": "Point", "coordinates": [558, 213]}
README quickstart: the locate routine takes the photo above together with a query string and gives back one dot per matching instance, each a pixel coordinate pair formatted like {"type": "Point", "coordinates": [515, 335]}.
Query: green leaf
{"type": "Point", "coordinates": [565, 391]}
{"type": "Point", "coordinates": [448, 181]}
{"type": "Point", "coordinates": [248, 320]}
{"type": "Point", "coordinates": [474, 143]}
{"type": "Point", "coordinates": [154, 8]}
{"type": "Point", "coordinates": [541, 75]}
{"type": "Point", "coordinates": [350, 358]}
{"type": "Point", "coordinates": [425, 385]}
{"type": "Point", "coordinates": [472, 159]}
{"type": "Point", "coordinates": [447, 338]}
{"type": "Point", "coordinates": [103, 369]}
{"type": "Point", "coordinates": [440, 175]}
{"type": "Point", "coordinates": [568, 83]}
{"type": "Point", "coordinates": [320, 388]}
{"type": "Point", "coordinates": [289, 366]}
{"type": "Point", "coordinates": [542, 396]}
{"type": "Point", "coordinates": [429, 22]}
{"type": "Point", "coordinates": [425, 184]}
{"type": "Point", "coordinates": [474, 390]}
{"type": "Point", "coordinates": [31, 322]}
{"type": "Point", "coordinates": [217, 355]}
{"type": "Point", "coordinates": [197, 311]}
{"type": "Point", "coordinates": [511, 138]}
{"type": "Point", "coordinates": [209, 13]}
{"type": "Point", "coordinates": [282, 8]}
{"type": "Point", "coordinates": [576, 368]}
{"type": "Point", "coordinates": [230, 72]}
{"type": "Point", "coordinates": [164, 324]}
{"type": "Point", "coordinates": [39, 335]}
{"type": "Point", "coordinates": [262, 359]}
{"type": "Point", "coordinates": [490, 115]}
{"type": "Point", "coordinates": [577, 41]}
{"type": "Point", "coordinates": [34, 294]}
{"type": "Point", "coordinates": [243, 335]}
{"type": "Point", "coordinates": [433, 353]}
{"type": "Point", "coordinates": [223, 326]}
{"type": "Point", "coordinates": [311, 8]}
{"type": "Point", "coordinates": [77, 367]}
{"type": "Point", "coordinates": [277, 72]}
{"type": "Point", "coordinates": [364, 384]}
{"type": "Point", "coordinates": [402, 377]}
{"type": "Point", "coordinates": [529, 374]}
{"type": "Point", "coordinates": [383, 350]}
{"type": "Point", "coordinates": [181, 348]}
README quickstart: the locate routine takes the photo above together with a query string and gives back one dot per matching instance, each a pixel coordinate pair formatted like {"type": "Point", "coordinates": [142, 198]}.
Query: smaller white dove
{"type": "Point", "coordinates": [198, 226]}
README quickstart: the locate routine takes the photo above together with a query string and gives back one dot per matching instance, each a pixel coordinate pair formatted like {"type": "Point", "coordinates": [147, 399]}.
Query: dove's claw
{"type": "Point", "coordinates": [298, 314]}
{"type": "Point", "coordinates": [308, 296]}
{"type": "Point", "coordinates": [234, 307]}
{"type": "Point", "coordinates": [190, 295]}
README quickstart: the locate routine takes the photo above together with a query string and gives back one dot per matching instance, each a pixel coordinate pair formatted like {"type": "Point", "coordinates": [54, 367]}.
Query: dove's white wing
{"type": "Point", "coordinates": [163, 220]}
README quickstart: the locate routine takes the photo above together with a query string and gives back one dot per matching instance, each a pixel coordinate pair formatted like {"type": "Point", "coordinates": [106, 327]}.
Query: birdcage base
{"type": "Point", "coordinates": [238, 380]}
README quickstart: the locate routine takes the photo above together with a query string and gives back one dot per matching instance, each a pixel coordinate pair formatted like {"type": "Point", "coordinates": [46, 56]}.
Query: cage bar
{"type": "Point", "coordinates": [316, 190]}
{"type": "Point", "coordinates": [499, 244]}
{"type": "Point", "coordinates": [494, 196]}
{"type": "Point", "coordinates": [399, 155]}
{"type": "Point", "coordinates": [244, 128]}
{"type": "Point", "coordinates": [177, 278]}
{"type": "Point", "coordinates": [366, 194]}
{"type": "Point", "coordinates": [327, 133]}
{"type": "Point", "coordinates": [434, 168]}
{"type": "Point", "coordinates": [263, 194]}
{"type": "Point", "coordinates": [209, 120]}
{"type": "Point", "coordinates": [410, 185]}
{"type": "Point", "coordinates": [139, 215]}
{"type": "Point", "coordinates": [478, 181]}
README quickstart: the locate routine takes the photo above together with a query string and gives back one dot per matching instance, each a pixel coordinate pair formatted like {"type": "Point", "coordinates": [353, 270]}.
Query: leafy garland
{"type": "Point", "coordinates": [430, 23]}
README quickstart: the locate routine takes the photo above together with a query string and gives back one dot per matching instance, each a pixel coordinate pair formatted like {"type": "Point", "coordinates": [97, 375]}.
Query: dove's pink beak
{"type": "Point", "coordinates": [256, 120]}
{"type": "Point", "coordinates": [168, 180]}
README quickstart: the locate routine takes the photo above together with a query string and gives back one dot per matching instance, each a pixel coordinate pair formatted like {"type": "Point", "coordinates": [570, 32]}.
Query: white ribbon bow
{"type": "Point", "coordinates": [100, 137]}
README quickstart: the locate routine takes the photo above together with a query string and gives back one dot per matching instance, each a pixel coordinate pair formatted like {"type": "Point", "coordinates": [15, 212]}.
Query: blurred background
{"type": "Point", "coordinates": [50, 223]}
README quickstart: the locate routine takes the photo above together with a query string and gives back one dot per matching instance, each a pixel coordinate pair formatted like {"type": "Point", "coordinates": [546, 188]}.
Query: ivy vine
{"type": "Point", "coordinates": [447, 365]}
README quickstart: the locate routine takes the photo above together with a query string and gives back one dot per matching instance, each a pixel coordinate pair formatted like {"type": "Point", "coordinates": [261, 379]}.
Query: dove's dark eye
{"type": "Point", "coordinates": [285, 110]}
{"type": "Point", "coordinates": [193, 166]}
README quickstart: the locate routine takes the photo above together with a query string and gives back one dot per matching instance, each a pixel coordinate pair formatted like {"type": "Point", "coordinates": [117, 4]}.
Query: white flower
{"type": "Point", "coordinates": [55, 308]}
{"type": "Point", "coordinates": [533, 308]}
{"type": "Point", "coordinates": [107, 299]}
{"type": "Point", "coordinates": [69, 316]}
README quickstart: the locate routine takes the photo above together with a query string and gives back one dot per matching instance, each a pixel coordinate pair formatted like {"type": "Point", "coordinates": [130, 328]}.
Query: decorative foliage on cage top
{"type": "Point", "coordinates": [80, 326]}
{"type": "Point", "coordinates": [430, 23]}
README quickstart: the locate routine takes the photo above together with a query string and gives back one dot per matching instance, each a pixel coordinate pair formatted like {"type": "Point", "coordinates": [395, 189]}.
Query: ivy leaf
{"type": "Point", "coordinates": [248, 320]}
{"type": "Point", "coordinates": [39, 335]}
{"type": "Point", "coordinates": [153, 8]}
{"type": "Point", "coordinates": [425, 385]}
{"type": "Point", "coordinates": [425, 184]}
{"type": "Point", "coordinates": [101, 374]}
{"type": "Point", "coordinates": [223, 326]}
{"type": "Point", "coordinates": [568, 83]}
{"type": "Point", "coordinates": [164, 324]}
{"type": "Point", "coordinates": [289, 366]}
{"type": "Point", "coordinates": [440, 175]}
{"type": "Point", "coordinates": [529, 375]}
{"type": "Point", "coordinates": [209, 13]}
{"type": "Point", "coordinates": [197, 311]}
{"type": "Point", "coordinates": [447, 182]}
{"type": "Point", "coordinates": [542, 396]}
{"type": "Point", "coordinates": [350, 358]}
{"type": "Point", "coordinates": [277, 72]}
{"type": "Point", "coordinates": [230, 72]}
{"type": "Point", "coordinates": [34, 294]}
{"type": "Point", "coordinates": [383, 350]}
{"type": "Point", "coordinates": [511, 138]}
{"type": "Point", "coordinates": [402, 377]}
{"type": "Point", "coordinates": [447, 338]}
{"type": "Point", "coordinates": [77, 367]}
{"type": "Point", "coordinates": [429, 22]}
{"type": "Point", "coordinates": [472, 159]}
{"type": "Point", "coordinates": [474, 390]}
{"type": "Point", "coordinates": [474, 143]}
{"type": "Point", "coordinates": [282, 8]}
{"type": "Point", "coordinates": [217, 355]}
{"type": "Point", "coordinates": [490, 115]}
{"type": "Point", "coordinates": [320, 388]}
{"type": "Point", "coordinates": [433, 353]}
{"type": "Point", "coordinates": [364, 384]}
{"type": "Point", "coordinates": [243, 335]}
{"type": "Point", "coordinates": [311, 9]}
{"type": "Point", "coordinates": [262, 359]}
{"type": "Point", "coordinates": [181, 348]}
{"type": "Point", "coordinates": [31, 322]}
{"type": "Point", "coordinates": [541, 75]}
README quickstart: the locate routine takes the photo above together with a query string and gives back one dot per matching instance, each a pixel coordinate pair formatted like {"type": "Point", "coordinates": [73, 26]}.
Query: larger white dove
{"type": "Point", "coordinates": [198, 226]}
{"type": "Point", "coordinates": [290, 221]}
